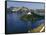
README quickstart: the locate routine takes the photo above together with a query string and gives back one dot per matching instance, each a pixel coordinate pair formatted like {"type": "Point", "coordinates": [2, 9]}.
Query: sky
{"type": "Point", "coordinates": [26, 4]}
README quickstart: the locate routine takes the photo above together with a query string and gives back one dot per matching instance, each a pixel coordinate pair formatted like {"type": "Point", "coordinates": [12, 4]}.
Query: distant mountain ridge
{"type": "Point", "coordinates": [25, 10]}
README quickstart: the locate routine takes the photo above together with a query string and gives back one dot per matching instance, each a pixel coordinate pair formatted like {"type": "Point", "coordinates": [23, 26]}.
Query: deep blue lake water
{"type": "Point", "coordinates": [14, 24]}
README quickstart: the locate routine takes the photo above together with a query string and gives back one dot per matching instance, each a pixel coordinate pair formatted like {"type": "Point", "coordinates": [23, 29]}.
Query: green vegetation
{"type": "Point", "coordinates": [34, 17]}
{"type": "Point", "coordinates": [29, 18]}
{"type": "Point", "coordinates": [26, 17]}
